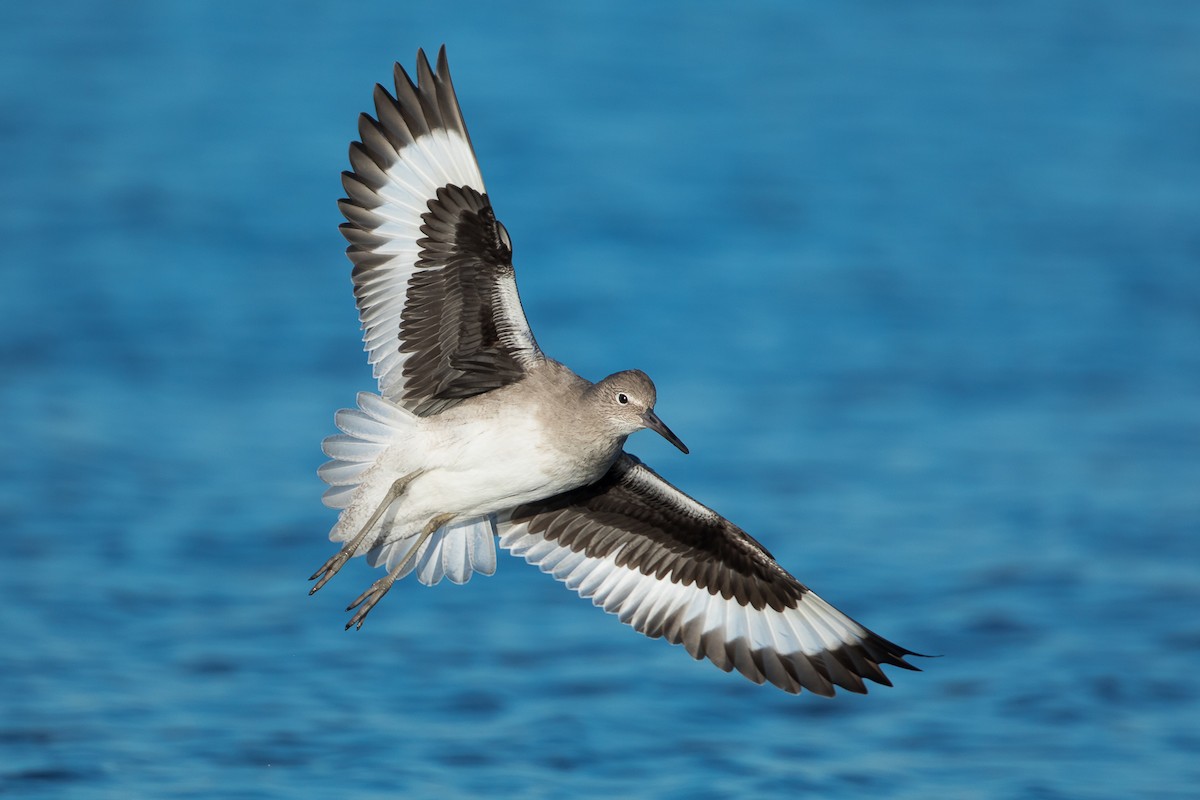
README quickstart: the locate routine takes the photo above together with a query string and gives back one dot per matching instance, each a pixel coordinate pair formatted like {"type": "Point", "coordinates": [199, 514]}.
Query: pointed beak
{"type": "Point", "coordinates": [655, 424]}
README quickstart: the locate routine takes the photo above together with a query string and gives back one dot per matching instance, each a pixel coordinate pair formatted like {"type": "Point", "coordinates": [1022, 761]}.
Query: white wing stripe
{"type": "Point", "coordinates": [570, 562]}
{"type": "Point", "coordinates": [459, 161]}
{"type": "Point", "coordinates": [412, 179]}
{"type": "Point", "coordinates": [763, 644]}
{"type": "Point", "coordinates": [640, 595]}
{"type": "Point", "coordinates": [825, 620]}
{"type": "Point", "coordinates": [510, 302]}
{"type": "Point", "coordinates": [540, 549]}
{"type": "Point", "coordinates": [579, 574]}
{"type": "Point", "coordinates": [592, 581]}
{"type": "Point", "coordinates": [616, 587]}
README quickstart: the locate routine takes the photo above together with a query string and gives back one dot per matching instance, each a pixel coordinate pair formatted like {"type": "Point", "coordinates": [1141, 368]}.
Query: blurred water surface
{"type": "Point", "coordinates": [920, 287]}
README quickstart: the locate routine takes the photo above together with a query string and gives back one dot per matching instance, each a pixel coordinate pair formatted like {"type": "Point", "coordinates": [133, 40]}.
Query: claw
{"type": "Point", "coordinates": [328, 570]}
{"type": "Point", "coordinates": [379, 588]}
{"type": "Point", "coordinates": [339, 559]}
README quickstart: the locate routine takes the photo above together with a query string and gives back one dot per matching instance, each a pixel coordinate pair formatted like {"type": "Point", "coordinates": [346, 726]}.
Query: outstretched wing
{"type": "Point", "coordinates": [433, 272]}
{"type": "Point", "coordinates": [668, 566]}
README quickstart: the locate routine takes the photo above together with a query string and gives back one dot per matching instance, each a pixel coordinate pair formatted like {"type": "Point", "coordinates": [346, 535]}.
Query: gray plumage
{"type": "Point", "coordinates": [477, 432]}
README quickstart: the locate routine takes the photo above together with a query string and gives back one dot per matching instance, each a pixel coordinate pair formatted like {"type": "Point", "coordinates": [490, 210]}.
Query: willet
{"type": "Point", "coordinates": [475, 432]}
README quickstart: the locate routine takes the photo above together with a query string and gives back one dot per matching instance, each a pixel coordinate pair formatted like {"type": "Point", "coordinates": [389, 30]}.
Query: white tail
{"type": "Point", "coordinates": [456, 551]}
{"type": "Point", "coordinates": [357, 484]}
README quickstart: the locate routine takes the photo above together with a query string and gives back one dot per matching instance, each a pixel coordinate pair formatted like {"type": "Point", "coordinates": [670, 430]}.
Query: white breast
{"type": "Point", "coordinates": [481, 463]}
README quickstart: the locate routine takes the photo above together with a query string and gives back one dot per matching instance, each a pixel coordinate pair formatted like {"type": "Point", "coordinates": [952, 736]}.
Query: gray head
{"type": "Point", "coordinates": [627, 401]}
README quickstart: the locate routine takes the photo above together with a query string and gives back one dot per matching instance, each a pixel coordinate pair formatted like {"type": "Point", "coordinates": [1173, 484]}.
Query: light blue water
{"type": "Point", "coordinates": [919, 287]}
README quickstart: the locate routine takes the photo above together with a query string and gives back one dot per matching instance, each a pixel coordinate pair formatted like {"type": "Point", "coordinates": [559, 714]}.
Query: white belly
{"type": "Point", "coordinates": [478, 465]}
{"type": "Point", "coordinates": [470, 461]}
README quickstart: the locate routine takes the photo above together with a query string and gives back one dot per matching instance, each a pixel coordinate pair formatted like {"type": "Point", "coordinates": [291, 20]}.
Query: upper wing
{"type": "Point", "coordinates": [433, 272]}
{"type": "Point", "coordinates": [668, 566]}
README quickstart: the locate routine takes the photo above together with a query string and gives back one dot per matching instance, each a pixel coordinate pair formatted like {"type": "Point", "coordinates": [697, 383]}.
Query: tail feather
{"type": "Point", "coordinates": [482, 548]}
{"type": "Point", "coordinates": [377, 408]}
{"type": "Point", "coordinates": [456, 555]}
{"type": "Point", "coordinates": [456, 551]}
{"type": "Point", "coordinates": [342, 473]}
{"type": "Point", "coordinates": [367, 431]}
{"type": "Point", "coordinates": [338, 496]}
{"type": "Point", "coordinates": [361, 426]}
{"type": "Point", "coordinates": [344, 447]}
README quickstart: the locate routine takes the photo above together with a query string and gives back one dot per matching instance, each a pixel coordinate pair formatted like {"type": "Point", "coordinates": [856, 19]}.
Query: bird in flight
{"type": "Point", "coordinates": [476, 433]}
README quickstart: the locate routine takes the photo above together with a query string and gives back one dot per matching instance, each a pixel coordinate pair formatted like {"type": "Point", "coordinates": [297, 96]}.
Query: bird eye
{"type": "Point", "coordinates": [622, 398]}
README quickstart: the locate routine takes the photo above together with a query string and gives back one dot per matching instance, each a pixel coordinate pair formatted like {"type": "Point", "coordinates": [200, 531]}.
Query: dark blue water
{"type": "Point", "coordinates": [919, 287]}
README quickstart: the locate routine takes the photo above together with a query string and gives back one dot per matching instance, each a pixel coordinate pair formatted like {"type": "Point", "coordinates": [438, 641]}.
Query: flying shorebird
{"type": "Point", "coordinates": [475, 431]}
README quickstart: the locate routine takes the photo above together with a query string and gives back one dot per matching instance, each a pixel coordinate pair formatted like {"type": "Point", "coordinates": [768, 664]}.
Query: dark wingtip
{"type": "Point", "coordinates": [401, 77]}
{"type": "Point", "coordinates": [897, 659]}
{"type": "Point", "coordinates": [424, 72]}
{"type": "Point", "coordinates": [919, 655]}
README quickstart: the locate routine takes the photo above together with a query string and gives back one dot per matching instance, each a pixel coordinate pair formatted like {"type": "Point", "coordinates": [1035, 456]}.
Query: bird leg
{"type": "Point", "coordinates": [379, 588]}
{"type": "Point", "coordinates": [331, 567]}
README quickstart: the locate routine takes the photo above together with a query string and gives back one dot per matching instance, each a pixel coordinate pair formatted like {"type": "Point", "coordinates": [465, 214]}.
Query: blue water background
{"type": "Point", "coordinates": [919, 285]}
